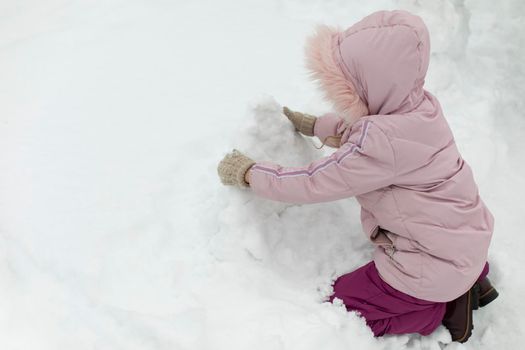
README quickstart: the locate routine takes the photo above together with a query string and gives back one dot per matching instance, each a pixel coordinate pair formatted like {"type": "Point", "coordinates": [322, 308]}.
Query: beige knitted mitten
{"type": "Point", "coordinates": [304, 123]}
{"type": "Point", "coordinates": [233, 167]}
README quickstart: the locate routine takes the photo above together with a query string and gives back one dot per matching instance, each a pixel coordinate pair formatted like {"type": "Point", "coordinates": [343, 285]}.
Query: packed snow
{"type": "Point", "coordinates": [115, 231]}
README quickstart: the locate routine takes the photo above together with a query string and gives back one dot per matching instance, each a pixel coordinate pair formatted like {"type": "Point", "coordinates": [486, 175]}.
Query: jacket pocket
{"type": "Point", "coordinates": [405, 255]}
{"type": "Point", "coordinates": [402, 243]}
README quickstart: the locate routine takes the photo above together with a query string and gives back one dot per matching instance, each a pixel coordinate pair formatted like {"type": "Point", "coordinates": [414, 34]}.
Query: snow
{"type": "Point", "coordinates": [115, 230]}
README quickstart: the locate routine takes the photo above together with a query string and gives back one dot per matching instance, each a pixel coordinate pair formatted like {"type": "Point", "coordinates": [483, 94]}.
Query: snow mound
{"type": "Point", "coordinates": [268, 135]}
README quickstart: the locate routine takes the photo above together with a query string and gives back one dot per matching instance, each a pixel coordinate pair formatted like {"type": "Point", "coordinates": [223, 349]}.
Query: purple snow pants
{"type": "Point", "coordinates": [385, 309]}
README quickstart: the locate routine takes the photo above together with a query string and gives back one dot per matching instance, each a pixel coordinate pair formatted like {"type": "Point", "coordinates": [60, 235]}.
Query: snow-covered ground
{"type": "Point", "coordinates": [115, 232]}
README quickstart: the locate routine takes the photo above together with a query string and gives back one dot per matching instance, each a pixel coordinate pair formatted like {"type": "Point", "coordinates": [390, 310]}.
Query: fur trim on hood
{"type": "Point", "coordinates": [322, 49]}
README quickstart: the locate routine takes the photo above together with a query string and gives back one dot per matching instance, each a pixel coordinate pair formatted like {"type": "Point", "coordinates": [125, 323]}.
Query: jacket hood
{"type": "Point", "coordinates": [377, 66]}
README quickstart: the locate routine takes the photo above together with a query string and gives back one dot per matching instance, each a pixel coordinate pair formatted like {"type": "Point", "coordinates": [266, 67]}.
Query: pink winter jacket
{"type": "Point", "coordinates": [399, 160]}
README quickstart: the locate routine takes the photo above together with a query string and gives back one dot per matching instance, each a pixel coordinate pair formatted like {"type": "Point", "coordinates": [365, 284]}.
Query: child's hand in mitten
{"type": "Point", "coordinates": [233, 167]}
{"type": "Point", "coordinates": [304, 123]}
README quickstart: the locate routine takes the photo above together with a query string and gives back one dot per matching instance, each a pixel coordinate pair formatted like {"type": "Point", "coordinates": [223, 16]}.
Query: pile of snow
{"type": "Point", "coordinates": [115, 232]}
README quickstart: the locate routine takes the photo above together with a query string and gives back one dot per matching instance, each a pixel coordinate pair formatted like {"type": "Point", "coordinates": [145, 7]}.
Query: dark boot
{"type": "Point", "coordinates": [487, 292]}
{"type": "Point", "coordinates": [458, 316]}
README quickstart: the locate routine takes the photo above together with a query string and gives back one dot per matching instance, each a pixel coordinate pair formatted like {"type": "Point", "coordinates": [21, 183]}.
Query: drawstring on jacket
{"type": "Point", "coordinates": [337, 143]}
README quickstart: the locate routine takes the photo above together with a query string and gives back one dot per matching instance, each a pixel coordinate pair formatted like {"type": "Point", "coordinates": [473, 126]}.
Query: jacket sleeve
{"type": "Point", "coordinates": [329, 124]}
{"type": "Point", "coordinates": [362, 164]}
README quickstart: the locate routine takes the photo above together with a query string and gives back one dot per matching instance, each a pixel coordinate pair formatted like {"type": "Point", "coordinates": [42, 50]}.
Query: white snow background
{"type": "Point", "coordinates": [115, 232]}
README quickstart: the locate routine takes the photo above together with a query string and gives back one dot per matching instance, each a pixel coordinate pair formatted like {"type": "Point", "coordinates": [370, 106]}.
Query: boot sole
{"type": "Point", "coordinates": [488, 297]}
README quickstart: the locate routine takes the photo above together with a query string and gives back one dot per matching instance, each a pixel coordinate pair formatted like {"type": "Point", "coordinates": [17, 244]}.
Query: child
{"type": "Point", "coordinates": [396, 154]}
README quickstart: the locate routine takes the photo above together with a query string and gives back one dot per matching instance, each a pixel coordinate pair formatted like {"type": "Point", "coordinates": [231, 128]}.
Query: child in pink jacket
{"type": "Point", "coordinates": [396, 154]}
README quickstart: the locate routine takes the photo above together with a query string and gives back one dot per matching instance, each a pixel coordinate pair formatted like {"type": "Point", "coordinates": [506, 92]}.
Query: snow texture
{"type": "Point", "coordinates": [115, 232]}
